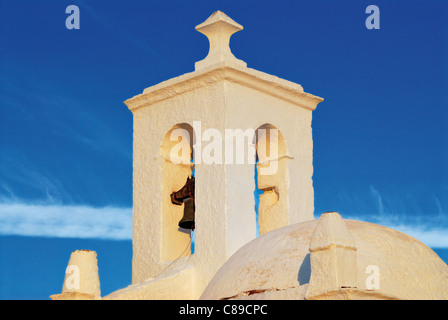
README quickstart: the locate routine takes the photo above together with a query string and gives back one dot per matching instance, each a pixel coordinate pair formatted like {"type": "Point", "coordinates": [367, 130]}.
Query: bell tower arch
{"type": "Point", "coordinates": [175, 154]}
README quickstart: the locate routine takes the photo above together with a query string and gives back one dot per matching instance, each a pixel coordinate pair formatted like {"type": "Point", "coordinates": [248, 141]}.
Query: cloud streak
{"type": "Point", "coordinates": [434, 237]}
{"type": "Point", "coordinates": [113, 223]}
{"type": "Point", "coordinates": [419, 211]}
{"type": "Point", "coordinates": [65, 221]}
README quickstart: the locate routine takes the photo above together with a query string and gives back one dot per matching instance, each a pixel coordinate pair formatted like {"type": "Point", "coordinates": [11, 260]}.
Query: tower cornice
{"type": "Point", "coordinates": [229, 71]}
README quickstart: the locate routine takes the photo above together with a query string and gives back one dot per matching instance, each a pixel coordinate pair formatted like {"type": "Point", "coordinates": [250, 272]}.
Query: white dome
{"type": "Point", "coordinates": [277, 265]}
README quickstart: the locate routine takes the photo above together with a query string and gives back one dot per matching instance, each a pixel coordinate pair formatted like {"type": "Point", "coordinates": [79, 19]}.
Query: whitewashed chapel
{"type": "Point", "coordinates": [296, 256]}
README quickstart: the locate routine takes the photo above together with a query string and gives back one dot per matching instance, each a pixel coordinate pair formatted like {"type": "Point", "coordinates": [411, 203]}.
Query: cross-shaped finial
{"type": "Point", "coordinates": [218, 28]}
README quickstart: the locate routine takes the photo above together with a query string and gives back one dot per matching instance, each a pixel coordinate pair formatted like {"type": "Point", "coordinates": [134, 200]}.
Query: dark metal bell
{"type": "Point", "coordinates": [187, 221]}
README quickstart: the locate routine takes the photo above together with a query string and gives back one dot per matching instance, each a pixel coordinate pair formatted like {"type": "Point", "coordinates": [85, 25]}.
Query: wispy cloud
{"type": "Point", "coordinates": [65, 221]}
{"type": "Point", "coordinates": [378, 198]}
{"type": "Point", "coordinates": [63, 116]}
{"type": "Point", "coordinates": [19, 170]}
{"type": "Point", "coordinates": [422, 216]}
{"type": "Point", "coordinates": [432, 236]}
{"type": "Point", "coordinates": [81, 221]}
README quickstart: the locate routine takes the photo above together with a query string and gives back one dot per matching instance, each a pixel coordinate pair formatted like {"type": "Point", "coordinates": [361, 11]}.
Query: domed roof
{"type": "Point", "coordinates": [297, 262]}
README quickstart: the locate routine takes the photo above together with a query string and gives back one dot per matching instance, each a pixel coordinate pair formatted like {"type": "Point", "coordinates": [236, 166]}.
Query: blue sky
{"type": "Point", "coordinates": [380, 136]}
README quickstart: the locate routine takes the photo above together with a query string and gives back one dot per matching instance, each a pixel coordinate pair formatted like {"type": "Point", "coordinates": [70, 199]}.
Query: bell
{"type": "Point", "coordinates": [187, 221]}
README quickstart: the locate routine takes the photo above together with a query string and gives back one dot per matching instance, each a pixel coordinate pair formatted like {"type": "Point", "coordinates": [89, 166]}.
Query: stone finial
{"type": "Point", "coordinates": [331, 230]}
{"type": "Point", "coordinates": [218, 28]}
{"type": "Point", "coordinates": [332, 256]}
{"type": "Point", "coordinates": [81, 280]}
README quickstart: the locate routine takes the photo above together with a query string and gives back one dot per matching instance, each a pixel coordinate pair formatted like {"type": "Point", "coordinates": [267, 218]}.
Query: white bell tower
{"type": "Point", "coordinates": [215, 106]}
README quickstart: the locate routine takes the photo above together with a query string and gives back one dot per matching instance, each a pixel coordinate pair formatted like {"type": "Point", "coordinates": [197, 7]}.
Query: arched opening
{"type": "Point", "coordinates": [177, 169]}
{"type": "Point", "coordinates": [271, 179]}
